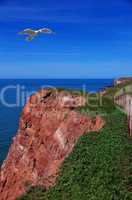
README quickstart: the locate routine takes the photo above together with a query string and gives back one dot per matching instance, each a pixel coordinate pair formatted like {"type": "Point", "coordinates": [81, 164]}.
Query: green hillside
{"type": "Point", "coordinates": [100, 167]}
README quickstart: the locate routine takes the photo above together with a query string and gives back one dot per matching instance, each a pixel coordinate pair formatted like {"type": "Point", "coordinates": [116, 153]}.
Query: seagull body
{"type": "Point", "coordinates": [33, 33]}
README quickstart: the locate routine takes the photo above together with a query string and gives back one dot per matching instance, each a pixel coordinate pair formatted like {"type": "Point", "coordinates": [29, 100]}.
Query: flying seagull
{"type": "Point", "coordinates": [33, 33]}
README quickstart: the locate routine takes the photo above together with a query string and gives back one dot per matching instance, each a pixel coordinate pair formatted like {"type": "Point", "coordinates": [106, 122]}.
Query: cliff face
{"type": "Point", "coordinates": [49, 128]}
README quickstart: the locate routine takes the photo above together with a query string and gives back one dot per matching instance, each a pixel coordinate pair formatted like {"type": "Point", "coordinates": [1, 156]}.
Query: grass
{"type": "Point", "coordinates": [100, 167]}
{"type": "Point", "coordinates": [120, 89]}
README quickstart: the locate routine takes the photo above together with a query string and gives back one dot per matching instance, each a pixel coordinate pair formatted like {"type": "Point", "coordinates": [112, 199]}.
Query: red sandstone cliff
{"type": "Point", "coordinates": [49, 129]}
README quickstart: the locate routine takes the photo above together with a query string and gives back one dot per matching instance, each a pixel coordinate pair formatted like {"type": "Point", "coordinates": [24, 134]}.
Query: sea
{"type": "Point", "coordinates": [15, 93]}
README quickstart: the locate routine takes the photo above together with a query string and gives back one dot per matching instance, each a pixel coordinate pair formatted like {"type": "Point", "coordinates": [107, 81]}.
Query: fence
{"type": "Point", "coordinates": [125, 101]}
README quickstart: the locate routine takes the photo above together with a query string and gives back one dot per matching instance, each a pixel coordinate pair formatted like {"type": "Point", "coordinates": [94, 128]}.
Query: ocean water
{"type": "Point", "coordinates": [14, 94]}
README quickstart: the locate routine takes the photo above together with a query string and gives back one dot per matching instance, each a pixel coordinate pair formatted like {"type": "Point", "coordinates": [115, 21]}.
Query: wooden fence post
{"type": "Point", "coordinates": [130, 116]}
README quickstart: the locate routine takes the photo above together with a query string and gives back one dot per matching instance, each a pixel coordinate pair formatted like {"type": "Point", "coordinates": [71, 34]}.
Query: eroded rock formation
{"type": "Point", "coordinates": [49, 128]}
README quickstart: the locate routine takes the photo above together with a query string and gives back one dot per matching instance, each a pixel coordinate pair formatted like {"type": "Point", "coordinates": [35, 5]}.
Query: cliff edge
{"type": "Point", "coordinates": [48, 130]}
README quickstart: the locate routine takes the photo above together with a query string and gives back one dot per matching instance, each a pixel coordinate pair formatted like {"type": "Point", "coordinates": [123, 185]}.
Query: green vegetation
{"type": "Point", "coordinates": [120, 89]}
{"type": "Point", "coordinates": [98, 105]}
{"type": "Point", "coordinates": [100, 167]}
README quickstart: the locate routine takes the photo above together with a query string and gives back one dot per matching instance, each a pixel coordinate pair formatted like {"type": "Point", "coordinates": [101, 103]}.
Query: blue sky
{"type": "Point", "coordinates": [93, 39]}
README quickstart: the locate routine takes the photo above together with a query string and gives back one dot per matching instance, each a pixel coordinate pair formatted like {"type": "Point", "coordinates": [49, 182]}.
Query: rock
{"type": "Point", "coordinates": [48, 131]}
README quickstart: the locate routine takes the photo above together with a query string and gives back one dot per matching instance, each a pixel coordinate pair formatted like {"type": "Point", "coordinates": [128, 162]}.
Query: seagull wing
{"type": "Point", "coordinates": [28, 31]}
{"type": "Point", "coordinates": [46, 30]}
